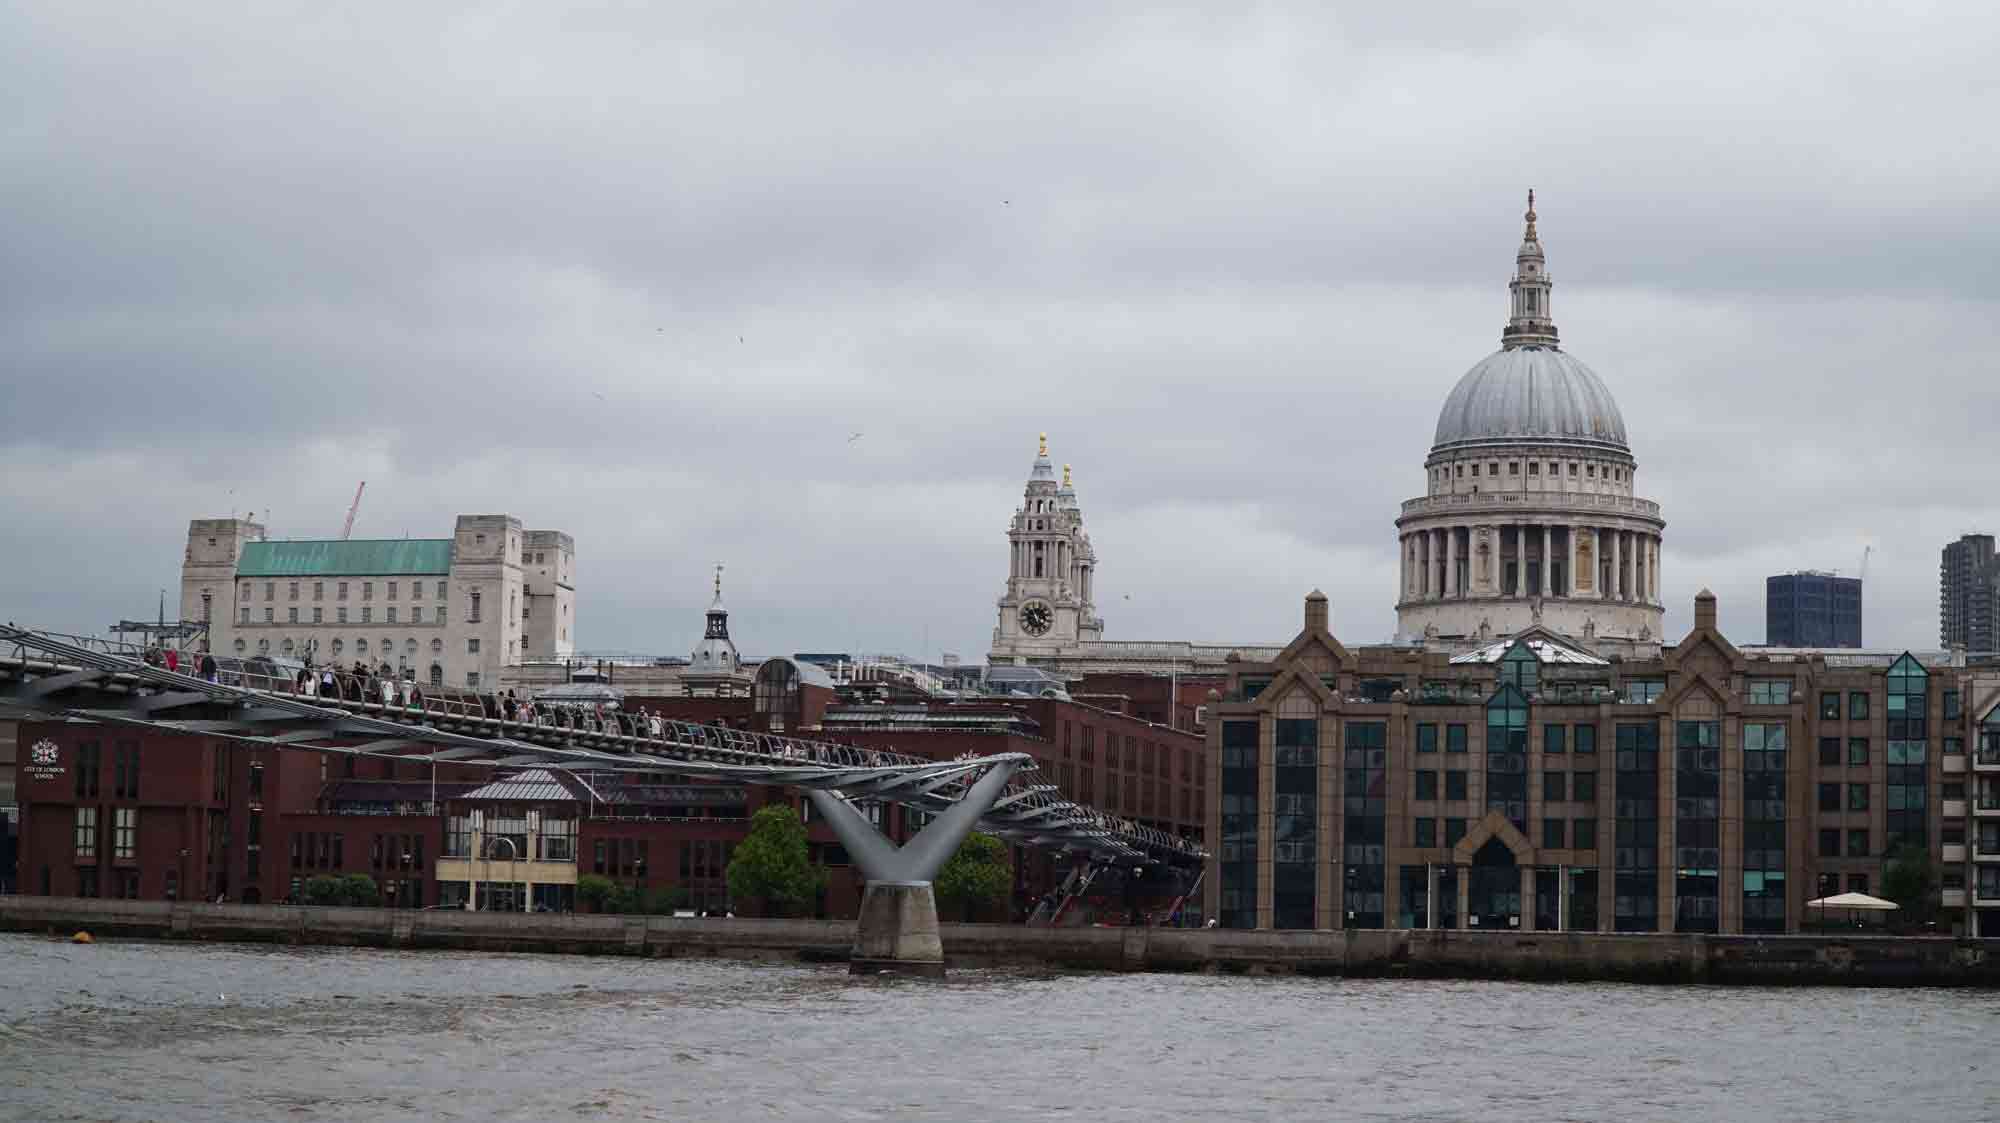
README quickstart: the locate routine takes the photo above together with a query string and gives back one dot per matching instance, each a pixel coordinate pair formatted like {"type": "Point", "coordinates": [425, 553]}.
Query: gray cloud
{"type": "Point", "coordinates": [637, 274]}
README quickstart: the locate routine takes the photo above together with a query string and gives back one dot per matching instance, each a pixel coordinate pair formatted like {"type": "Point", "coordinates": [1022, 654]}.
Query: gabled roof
{"type": "Point", "coordinates": [354, 558]}
{"type": "Point", "coordinates": [536, 785]}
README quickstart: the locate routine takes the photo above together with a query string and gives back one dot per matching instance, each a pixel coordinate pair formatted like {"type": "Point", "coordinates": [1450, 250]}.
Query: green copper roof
{"type": "Point", "coordinates": [346, 559]}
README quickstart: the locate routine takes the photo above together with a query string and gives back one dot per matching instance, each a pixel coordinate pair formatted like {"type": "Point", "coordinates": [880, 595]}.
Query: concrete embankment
{"type": "Point", "coordinates": [1817, 959]}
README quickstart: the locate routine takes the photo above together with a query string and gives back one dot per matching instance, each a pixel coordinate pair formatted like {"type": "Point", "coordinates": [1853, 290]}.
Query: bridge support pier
{"type": "Point", "coordinates": [897, 930]}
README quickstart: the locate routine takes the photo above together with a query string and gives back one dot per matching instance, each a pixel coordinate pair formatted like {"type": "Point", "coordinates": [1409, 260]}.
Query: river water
{"type": "Point", "coordinates": [156, 1031]}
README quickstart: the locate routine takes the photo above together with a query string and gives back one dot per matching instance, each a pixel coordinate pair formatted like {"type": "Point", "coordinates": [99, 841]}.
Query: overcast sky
{"type": "Point", "coordinates": [638, 273]}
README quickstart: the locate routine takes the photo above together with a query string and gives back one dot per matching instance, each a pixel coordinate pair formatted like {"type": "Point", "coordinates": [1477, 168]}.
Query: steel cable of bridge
{"type": "Point", "coordinates": [1025, 812]}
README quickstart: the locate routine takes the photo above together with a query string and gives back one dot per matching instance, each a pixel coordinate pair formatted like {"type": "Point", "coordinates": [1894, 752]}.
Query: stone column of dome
{"type": "Point", "coordinates": [1617, 590]}
{"type": "Point", "coordinates": [1521, 560]}
{"type": "Point", "coordinates": [1451, 562]}
{"type": "Point", "coordinates": [1569, 532]}
{"type": "Point", "coordinates": [1547, 539]}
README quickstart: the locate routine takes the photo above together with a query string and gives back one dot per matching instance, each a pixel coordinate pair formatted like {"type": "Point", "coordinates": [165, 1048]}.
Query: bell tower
{"type": "Point", "coordinates": [1046, 609]}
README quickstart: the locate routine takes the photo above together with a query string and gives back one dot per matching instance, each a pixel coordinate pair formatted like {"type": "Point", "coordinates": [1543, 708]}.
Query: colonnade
{"type": "Point", "coordinates": [1592, 562]}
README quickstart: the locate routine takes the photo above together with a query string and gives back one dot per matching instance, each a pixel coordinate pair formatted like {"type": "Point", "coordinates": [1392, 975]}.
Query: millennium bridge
{"type": "Point", "coordinates": [94, 680]}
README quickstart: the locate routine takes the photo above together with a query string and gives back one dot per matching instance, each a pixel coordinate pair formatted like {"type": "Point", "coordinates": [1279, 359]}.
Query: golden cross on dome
{"type": "Point", "coordinates": [1045, 444]}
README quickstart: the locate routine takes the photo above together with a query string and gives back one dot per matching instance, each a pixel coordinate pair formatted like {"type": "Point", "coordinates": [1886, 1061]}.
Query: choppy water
{"type": "Point", "coordinates": [150, 1031]}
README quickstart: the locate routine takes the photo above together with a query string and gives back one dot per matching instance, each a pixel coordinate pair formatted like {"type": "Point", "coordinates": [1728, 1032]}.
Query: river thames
{"type": "Point", "coordinates": [155, 1031]}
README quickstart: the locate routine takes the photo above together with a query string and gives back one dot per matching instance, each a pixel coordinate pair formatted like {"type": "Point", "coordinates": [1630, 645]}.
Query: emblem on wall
{"type": "Point", "coordinates": [43, 758]}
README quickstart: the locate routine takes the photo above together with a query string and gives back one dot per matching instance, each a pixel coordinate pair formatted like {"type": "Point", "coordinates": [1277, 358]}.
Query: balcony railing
{"type": "Point", "coordinates": [1541, 500]}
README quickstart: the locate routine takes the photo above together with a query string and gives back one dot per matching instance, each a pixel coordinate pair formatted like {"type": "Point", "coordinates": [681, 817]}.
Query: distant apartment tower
{"type": "Point", "coordinates": [1969, 594]}
{"type": "Point", "coordinates": [1809, 609]}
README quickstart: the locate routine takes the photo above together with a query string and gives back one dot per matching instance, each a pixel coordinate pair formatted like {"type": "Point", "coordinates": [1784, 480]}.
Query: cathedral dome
{"type": "Point", "coordinates": [1530, 394]}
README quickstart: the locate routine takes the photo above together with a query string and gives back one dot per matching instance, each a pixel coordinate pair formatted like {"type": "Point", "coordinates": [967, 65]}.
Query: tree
{"type": "Point", "coordinates": [323, 890]}
{"type": "Point", "coordinates": [976, 877]}
{"type": "Point", "coordinates": [594, 890]}
{"type": "Point", "coordinates": [359, 889]}
{"type": "Point", "coordinates": [770, 864]}
{"type": "Point", "coordinates": [1908, 880]}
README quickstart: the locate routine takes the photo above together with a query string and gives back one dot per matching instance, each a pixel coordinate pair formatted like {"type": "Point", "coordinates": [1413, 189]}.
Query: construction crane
{"type": "Point", "coordinates": [348, 528]}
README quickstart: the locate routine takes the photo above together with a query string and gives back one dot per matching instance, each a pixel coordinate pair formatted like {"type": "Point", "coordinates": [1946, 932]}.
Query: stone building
{"type": "Point", "coordinates": [1530, 517]}
{"type": "Point", "coordinates": [1535, 784]}
{"type": "Point", "coordinates": [441, 610]}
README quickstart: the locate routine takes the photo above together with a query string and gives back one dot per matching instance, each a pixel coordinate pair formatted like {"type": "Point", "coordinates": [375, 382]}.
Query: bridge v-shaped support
{"type": "Point", "coordinates": [897, 930]}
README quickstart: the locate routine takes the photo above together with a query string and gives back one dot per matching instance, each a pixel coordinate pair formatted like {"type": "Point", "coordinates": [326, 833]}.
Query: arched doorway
{"type": "Point", "coordinates": [1494, 900]}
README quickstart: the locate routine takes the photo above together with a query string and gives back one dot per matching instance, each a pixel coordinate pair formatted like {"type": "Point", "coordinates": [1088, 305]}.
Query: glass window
{"type": "Point", "coordinates": [1857, 843]}
{"type": "Point", "coordinates": [1426, 832]}
{"type": "Point", "coordinates": [1583, 834]}
{"type": "Point", "coordinates": [1857, 750]}
{"type": "Point", "coordinates": [1552, 834]}
{"type": "Point", "coordinates": [1829, 705]}
{"type": "Point", "coordinates": [1553, 738]}
{"type": "Point", "coordinates": [367, 614]}
{"type": "Point", "coordinates": [1857, 797]}
{"type": "Point", "coordinates": [1829, 797]}
{"type": "Point", "coordinates": [1857, 705]}
{"type": "Point", "coordinates": [86, 833]}
{"type": "Point", "coordinates": [1454, 785]}
{"type": "Point", "coordinates": [1583, 787]}
{"type": "Point", "coordinates": [1454, 831]}
{"type": "Point", "coordinates": [1427, 737]}
{"type": "Point", "coordinates": [1770, 691]}
{"type": "Point", "coordinates": [1427, 785]}
{"type": "Point", "coordinates": [1586, 738]}
{"type": "Point", "coordinates": [1643, 691]}
{"type": "Point", "coordinates": [1829, 752]}
{"type": "Point", "coordinates": [1454, 738]}
{"type": "Point", "coordinates": [1952, 708]}
{"type": "Point", "coordinates": [1555, 787]}
{"type": "Point", "coordinates": [1829, 843]}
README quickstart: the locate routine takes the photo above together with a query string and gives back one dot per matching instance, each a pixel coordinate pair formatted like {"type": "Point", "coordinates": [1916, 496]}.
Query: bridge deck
{"type": "Point", "coordinates": [53, 674]}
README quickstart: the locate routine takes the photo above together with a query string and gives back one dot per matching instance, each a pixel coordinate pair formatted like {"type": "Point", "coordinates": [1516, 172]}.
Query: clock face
{"type": "Point", "coordinates": [1036, 618]}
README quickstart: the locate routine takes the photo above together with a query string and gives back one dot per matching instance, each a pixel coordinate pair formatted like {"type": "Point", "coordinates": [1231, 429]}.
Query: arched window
{"type": "Point", "coordinates": [338, 647]}
{"type": "Point", "coordinates": [437, 675]}
{"type": "Point", "coordinates": [361, 646]}
{"type": "Point", "coordinates": [410, 646]}
{"type": "Point", "coordinates": [286, 647]}
{"type": "Point", "coordinates": [241, 647]}
{"type": "Point", "coordinates": [263, 647]}
{"type": "Point", "coordinates": [437, 646]}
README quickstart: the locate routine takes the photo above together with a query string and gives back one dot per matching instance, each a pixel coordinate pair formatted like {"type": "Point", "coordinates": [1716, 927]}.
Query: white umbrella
{"type": "Point", "coordinates": [1853, 901]}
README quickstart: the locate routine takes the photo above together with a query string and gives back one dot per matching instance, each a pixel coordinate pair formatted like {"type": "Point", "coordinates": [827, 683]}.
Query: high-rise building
{"type": "Point", "coordinates": [1969, 594]}
{"type": "Point", "coordinates": [1808, 609]}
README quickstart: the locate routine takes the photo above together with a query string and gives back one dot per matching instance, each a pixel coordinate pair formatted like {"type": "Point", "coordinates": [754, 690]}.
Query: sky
{"type": "Point", "coordinates": [640, 271]}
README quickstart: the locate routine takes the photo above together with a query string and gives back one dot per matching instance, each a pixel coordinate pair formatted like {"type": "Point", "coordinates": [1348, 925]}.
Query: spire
{"type": "Point", "coordinates": [1530, 324]}
{"type": "Point", "coordinates": [1043, 470]}
{"type": "Point", "coordinates": [718, 616]}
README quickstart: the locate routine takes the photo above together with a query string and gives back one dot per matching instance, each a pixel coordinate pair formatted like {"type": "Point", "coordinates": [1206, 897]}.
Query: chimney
{"type": "Point", "coordinates": [1704, 610]}
{"type": "Point", "coordinates": [1316, 614]}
